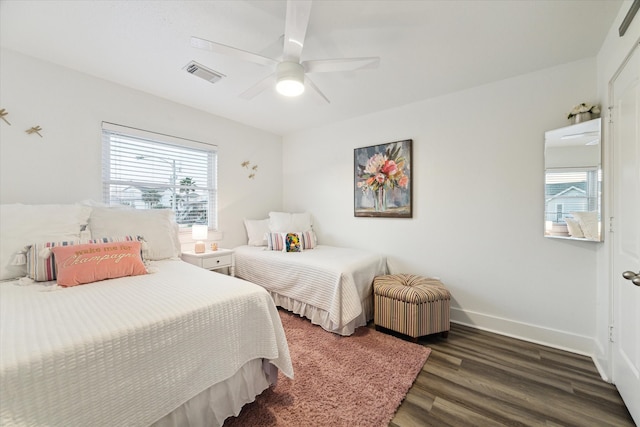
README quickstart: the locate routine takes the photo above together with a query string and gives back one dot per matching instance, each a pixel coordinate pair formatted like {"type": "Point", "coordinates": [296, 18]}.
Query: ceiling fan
{"type": "Point", "coordinates": [290, 74]}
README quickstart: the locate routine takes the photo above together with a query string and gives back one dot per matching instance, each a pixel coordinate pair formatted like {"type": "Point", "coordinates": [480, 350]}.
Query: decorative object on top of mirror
{"type": "Point", "coordinates": [584, 112]}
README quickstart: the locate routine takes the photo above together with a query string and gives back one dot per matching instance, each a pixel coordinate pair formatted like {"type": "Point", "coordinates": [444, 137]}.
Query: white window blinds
{"type": "Point", "coordinates": [146, 170]}
{"type": "Point", "coordinates": [571, 190]}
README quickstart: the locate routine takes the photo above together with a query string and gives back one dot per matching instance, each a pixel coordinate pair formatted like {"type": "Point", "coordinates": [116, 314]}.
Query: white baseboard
{"type": "Point", "coordinates": [601, 359]}
{"type": "Point", "coordinates": [554, 338]}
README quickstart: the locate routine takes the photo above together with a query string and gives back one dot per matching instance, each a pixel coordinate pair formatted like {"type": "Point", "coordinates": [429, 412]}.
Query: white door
{"type": "Point", "coordinates": [626, 236]}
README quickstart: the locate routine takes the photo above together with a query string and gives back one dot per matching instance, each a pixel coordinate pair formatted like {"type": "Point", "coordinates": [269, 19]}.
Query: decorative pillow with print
{"type": "Point", "coordinates": [92, 262]}
{"type": "Point", "coordinates": [292, 242]}
{"type": "Point", "coordinates": [41, 263]}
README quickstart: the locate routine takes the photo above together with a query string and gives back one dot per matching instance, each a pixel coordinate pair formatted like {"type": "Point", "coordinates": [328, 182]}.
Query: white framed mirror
{"type": "Point", "coordinates": [573, 182]}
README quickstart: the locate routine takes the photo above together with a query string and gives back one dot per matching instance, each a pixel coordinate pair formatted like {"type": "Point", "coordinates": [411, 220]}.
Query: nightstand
{"type": "Point", "coordinates": [212, 260]}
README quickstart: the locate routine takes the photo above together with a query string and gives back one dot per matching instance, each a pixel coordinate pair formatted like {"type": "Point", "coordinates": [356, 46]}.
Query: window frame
{"type": "Point", "coordinates": [162, 143]}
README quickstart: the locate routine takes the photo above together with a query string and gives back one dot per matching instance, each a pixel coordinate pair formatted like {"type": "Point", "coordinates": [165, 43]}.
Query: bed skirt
{"type": "Point", "coordinates": [214, 405]}
{"type": "Point", "coordinates": [320, 317]}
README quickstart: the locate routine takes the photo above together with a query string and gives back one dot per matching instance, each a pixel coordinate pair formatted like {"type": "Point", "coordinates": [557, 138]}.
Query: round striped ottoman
{"type": "Point", "coordinates": [411, 305]}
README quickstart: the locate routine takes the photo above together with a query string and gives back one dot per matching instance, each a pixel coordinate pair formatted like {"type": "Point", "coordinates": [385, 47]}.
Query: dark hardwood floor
{"type": "Point", "coordinates": [477, 378]}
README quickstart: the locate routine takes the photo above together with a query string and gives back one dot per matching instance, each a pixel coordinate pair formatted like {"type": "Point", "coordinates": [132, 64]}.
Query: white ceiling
{"type": "Point", "coordinates": [427, 48]}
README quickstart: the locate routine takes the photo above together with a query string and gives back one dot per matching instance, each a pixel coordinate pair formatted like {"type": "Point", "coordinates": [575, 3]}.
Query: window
{"type": "Point", "coordinates": [146, 170]}
{"type": "Point", "coordinates": [575, 190]}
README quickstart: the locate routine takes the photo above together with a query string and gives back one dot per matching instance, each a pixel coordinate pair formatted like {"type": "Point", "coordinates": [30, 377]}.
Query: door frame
{"type": "Point", "coordinates": [613, 274]}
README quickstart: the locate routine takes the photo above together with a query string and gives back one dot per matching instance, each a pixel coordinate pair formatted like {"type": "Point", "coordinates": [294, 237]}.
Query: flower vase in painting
{"type": "Point", "coordinates": [380, 200]}
{"type": "Point", "coordinates": [382, 180]}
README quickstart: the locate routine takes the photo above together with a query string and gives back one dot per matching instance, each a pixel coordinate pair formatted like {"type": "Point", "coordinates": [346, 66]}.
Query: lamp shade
{"type": "Point", "coordinates": [199, 232]}
{"type": "Point", "coordinates": [290, 76]}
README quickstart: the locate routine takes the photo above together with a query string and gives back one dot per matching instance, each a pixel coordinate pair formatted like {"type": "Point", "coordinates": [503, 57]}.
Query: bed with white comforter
{"type": "Point", "coordinates": [137, 350]}
{"type": "Point", "coordinates": [332, 286]}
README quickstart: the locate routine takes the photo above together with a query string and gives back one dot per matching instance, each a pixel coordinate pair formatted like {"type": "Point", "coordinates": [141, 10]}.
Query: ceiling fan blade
{"type": "Point", "coordinates": [295, 29]}
{"type": "Point", "coordinates": [314, 88]}
{"type": "Point", "coordinates": [232, 51]}
{"type": "Point", "coordinates": [259, 87]}
{"type": "Point", "coordinates": [346, 64]}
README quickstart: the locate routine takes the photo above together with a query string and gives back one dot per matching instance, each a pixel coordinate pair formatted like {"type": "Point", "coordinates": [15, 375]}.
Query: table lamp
{"type": "Point", "coordinates": [199, 233]}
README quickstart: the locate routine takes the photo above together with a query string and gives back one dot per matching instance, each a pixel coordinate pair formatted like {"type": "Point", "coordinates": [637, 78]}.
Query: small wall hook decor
{"type": "Point", "coordinates": [3, 113]}
{"type": "Point", "coordinates": [245, 164]}
{"type": "Point", "coordinates": [254, 168]}
{"type": "Point", "coordinates": [34, 129]}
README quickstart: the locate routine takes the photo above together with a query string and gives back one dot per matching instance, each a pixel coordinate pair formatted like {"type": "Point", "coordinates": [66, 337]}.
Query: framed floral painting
{"type": "Point", "coordinates": [382, 180]}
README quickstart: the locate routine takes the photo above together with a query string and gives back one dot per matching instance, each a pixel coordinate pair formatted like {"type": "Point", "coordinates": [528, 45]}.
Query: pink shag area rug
{"type": "Point", "coordinates": [359, 380]}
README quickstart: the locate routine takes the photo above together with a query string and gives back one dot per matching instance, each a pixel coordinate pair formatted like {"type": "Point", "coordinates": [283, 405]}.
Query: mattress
{"type": "Point", "coordinates": [129, 351]}
{"type": "Point", "coordinates": [330, 285]}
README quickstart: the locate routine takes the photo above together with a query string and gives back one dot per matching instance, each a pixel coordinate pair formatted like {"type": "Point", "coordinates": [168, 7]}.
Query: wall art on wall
{"type": "Point", "coordinates": [382, 180]}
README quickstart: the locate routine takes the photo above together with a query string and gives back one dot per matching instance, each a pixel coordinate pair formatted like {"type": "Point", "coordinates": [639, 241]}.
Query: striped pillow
{"type": "Point", "coordinates": [274, 241]}
{"type": "Point", "coordinates": [309, 240]}
{"type": "Point", "coordinates": [41, 264]}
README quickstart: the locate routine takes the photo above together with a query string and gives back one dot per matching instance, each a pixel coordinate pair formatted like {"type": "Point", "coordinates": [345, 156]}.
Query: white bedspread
{"type": "Point", "coordinates": [330, 278]}
{"type": "Point", "coordinates": [128, 351]}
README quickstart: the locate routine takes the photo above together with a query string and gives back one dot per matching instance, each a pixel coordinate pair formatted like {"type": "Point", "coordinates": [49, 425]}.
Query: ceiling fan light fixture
{"type": "Point", "coordinates": [290, 77]}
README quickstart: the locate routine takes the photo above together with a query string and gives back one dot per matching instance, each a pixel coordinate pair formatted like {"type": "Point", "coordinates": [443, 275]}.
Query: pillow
{"type": "Point", "coordinates": [274, 241]}
{"type": "Point", "coordinates": [41, 263]}
{"type": "Point", "coordinates": [588, 223]}
{"type": "Point", "coordinates": [309, 240]}
{"type": "Point", "coordinates": [158, 227]}
{"type": "Point", "coordinates": [282, 222]}
{"type": "Point", "coordinates": [291, 242]}
{"type": "Point", "coordinates": [21, 225]}
{"type": "Point", "coordinates": [92, 262]}
{"type": "Point", "coordinates": [574, 227]}
{"type": "Point", "coordinates": [257, 231]}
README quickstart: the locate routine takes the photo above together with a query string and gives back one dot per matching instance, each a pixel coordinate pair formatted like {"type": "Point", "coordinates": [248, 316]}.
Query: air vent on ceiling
{"type": "Point", "coordinates": [203, 72]}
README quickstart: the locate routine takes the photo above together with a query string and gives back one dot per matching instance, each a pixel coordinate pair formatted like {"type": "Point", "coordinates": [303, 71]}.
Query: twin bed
{"type": "Point", "coordinates": [178, 346]}
{"type": "Point", "coordinates": [331, 286]}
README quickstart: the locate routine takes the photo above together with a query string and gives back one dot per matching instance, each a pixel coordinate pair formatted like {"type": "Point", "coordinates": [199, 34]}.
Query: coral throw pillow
{"type": "Point", "coordinates": [79, 264]}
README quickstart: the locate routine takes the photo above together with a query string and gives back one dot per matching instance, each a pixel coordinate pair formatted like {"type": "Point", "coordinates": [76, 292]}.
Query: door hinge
{"type": "Point", "coordinates": [611, 334]}
{"type": "Point", "coordinates": [610, 108]}
{"type": "Point", "coordinates": [611, 224]}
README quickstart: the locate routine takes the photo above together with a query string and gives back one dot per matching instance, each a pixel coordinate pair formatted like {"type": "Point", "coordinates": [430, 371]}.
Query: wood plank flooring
{"type": "Point", "coordinates": [477, 378]}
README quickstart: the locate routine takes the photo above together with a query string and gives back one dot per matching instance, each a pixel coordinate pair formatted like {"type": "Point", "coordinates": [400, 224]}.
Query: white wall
{"type": "Point", "coordinates": [64, 165]}
{"type": "Point", "coordinates": [611, 56]}
{"type": "Point", "coordinates": [478, 202]}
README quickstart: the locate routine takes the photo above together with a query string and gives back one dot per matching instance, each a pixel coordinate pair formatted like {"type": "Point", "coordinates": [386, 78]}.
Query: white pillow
{"type": "Point", "coordinates": [21, 225]}
{"type": "Point", "coordinates": [574, 227]}
{"type": "Point", "coordinates": [589, 224]}
{"type": "Point", "coordinates": [257, 230]}
{"type": "Point", "coordinates": [281, 222]}
{"type": "Point", "coordinates": [157, 226]}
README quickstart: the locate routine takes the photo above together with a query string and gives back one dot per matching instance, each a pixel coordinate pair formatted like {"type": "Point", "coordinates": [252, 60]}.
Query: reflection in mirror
{"type": "Point", "coordinates": [573, 182]}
